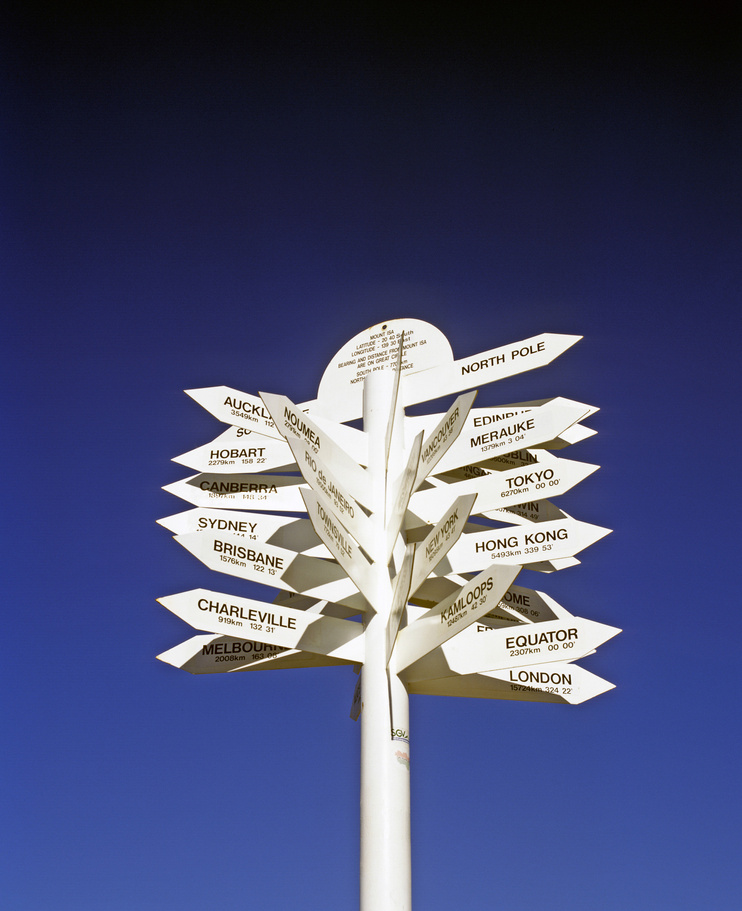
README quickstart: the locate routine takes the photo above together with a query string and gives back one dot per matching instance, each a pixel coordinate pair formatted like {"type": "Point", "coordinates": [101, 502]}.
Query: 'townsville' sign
{"type": "Point", "coordinates": [394, 548]}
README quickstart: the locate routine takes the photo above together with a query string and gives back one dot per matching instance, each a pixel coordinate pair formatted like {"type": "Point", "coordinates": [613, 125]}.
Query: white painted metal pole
{"type": "Point", "coordinates": [386, 880]}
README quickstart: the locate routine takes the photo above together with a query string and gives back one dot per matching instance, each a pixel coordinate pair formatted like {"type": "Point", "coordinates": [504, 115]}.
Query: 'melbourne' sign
{"type": "Point", "coordinates": [393, 563]}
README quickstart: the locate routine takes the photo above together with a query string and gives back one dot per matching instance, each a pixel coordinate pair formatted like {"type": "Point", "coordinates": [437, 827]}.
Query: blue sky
{"type": "Point", "coordinates": [192, 201]}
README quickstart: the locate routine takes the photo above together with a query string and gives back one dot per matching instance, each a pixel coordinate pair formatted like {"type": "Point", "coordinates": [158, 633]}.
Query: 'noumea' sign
{"type": "Point", "coordinates": [381, 545]}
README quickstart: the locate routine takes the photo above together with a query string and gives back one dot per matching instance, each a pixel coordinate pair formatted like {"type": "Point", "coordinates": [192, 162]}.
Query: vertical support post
{"type": "Point", "coordinates": [386, 878]}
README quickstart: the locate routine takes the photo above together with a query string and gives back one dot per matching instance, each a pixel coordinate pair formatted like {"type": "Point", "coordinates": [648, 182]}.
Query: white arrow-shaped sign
{"type": "Point", "coordinates": [340, 393]}
{"type": "Point", "coordinates": [427, 421]}
{"type": "Point", "coordinates": [352, 441]}
{"type": "Point", "coordinates": [574, 434]}
{"type": "Point", "coordinates": [438, 443]}
{"type": "Point", "coordinates": [527, 513]}
{"type": "Point", "coordinates": [282, 531]}
{"type": "Point", "coordinates": [520, 544]}
{"type": "Point", "coordinates": [341, 545]}
{"type": "Point", "coordinates": [213, 654]}
{"type": "Point", "coordinates": [520, 458]}
{"type": "Point", "coordinates": [274, 624]}
{"type": "Point", "coordinates": [399, 497]}
{"type": "Point", "coordinates": [240, 409]}
{"type": "Point", "coordinates": [560, 682]}
{"type": "Point", "coordinates": [440, 540]}
{"type": "Point", "coordinates": [333, 494]}
{"type": "Point", "coordinates": [233, 491]}
{"type": "Point", "coordinates": [479, 369]}
{"type": "Point", "coordinates": [518, 604]}
{"type": "Point", "coordinates": [473, 600]}
{"type": "Point", "coordinates": [238, 449]}
{"type": "Point", "coordinates": [270, 565]}
{"type": "Point", "coordinates": [479, 648]}
{"type": "Point", "coordinates": [530, 605]}
{"type": "Point", "coordinates": [490, 432]}
{"type": "Point", "coordinates": [399, 598]}
{"type": "Point", "coordinates": [549, 476]}
{"type": "Point", "coordinates": [315, 605]}
{"type": "Point", "coordinates": [294, 424]}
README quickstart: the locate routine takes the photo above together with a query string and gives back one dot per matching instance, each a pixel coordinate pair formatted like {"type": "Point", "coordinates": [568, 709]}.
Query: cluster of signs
{"type": "Point", "coordinates": [458, 625]}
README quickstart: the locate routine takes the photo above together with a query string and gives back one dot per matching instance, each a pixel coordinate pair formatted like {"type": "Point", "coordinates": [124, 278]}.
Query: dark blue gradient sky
{"type": "Point", "coordinates": [194, 200]}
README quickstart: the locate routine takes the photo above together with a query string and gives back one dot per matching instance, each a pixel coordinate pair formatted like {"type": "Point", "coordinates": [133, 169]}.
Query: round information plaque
{"type": "Point", "coordinates": [340, 393]}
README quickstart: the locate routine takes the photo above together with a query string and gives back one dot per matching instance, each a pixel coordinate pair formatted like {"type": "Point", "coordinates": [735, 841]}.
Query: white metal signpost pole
{"type": "Point", "coordinates": [386, 881]}
{"type": "Point", "coordinates": [388, 537]}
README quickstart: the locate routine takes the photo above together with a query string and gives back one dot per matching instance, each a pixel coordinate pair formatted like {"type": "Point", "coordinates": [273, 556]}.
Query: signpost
{"type": "Point", "coordinates": [378, 555]}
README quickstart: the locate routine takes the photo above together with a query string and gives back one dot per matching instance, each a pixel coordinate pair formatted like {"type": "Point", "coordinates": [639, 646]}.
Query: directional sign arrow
{"type": "Point", "coordinates": [270, 565]}
{"type": "Point", "coordinates": [530, 605]}
{"type": "Point", "coordinates": [333, 494]}
{"type": "Point", "coordinates": [399, 598]}
{"type": "Point", "coordinates": [587, 410]}
{"type": "Point", "coordinates": [490, 432]}
{"type": "Point", "coordinates": [230, 491]}
{"type": "Point", "coordinates": [274, 624]}
{"type": "Point", "coordinates": [479, 648]}
{"type": "Point", "coordinates": [212, 654]}
{"type": "Point", "coordinates": [238, 449]}
{"type": "Point", "coordinates": [436, 626]}
{"type": "Point", "coordinates": [439, 442]}
{"type": "Point", "coordinates": [329, 608]}
{"type": "Point", "coordinates": [486, 367]}
{"type": "Point", "coordinates": [441, 539]}
{"type": "Point", "coordinates": [234, 407]}
{"type": "Point", "coordinates": [518, 604]}
{"type": "Point", "coordinates": [295, 424]}
{"type": "Point", "coordinates": [548, 476]}
{"type": "Point", "coordinates": [283, 531]}
{"type": "Point", "coordinates": [395, 419]}
{"type": "Point", "coordinates": [574, 434]}
{"type": "Point", "coordinates": [399, 497]}
{"type": "Point", "coordinates": [527, 513]}
{"type": "Point", "coordinates": [520, 544]}
{"type": "Point", "coordinates": [352, 441]}
{"type": "Point", "coordinates": [338, 541]}
{"type": "Point", "coordinates": [559, 682]}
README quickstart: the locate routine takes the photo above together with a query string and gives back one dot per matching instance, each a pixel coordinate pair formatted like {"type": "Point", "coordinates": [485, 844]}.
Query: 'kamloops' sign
{"type": "Point", "coordinates": [473, 600]}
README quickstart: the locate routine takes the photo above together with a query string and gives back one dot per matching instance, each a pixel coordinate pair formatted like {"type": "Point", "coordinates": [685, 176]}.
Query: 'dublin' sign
{"type": "Point", "coordinates": [381, 546]}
